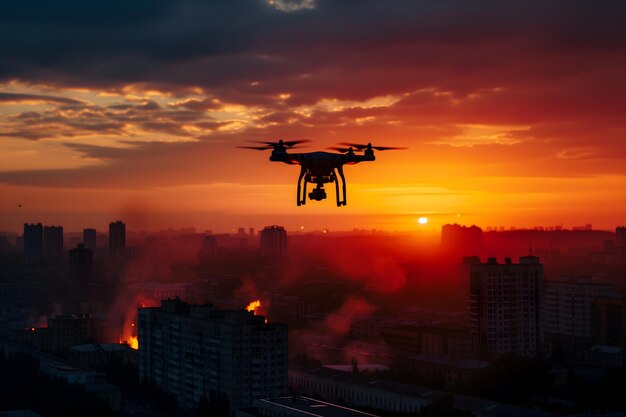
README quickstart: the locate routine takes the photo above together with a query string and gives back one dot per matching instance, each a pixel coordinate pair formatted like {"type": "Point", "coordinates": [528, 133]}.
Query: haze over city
{"type": "Point", "coordinates": [161, 256]}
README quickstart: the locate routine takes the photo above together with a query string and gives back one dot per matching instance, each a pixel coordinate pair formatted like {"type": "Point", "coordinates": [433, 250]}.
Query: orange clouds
{"type": "Point", "coordinates": [512, 114]}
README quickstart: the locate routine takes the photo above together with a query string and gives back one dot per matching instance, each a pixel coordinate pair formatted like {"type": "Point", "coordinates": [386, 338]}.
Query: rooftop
{"type": "Point", "coordinates": [310, 407]}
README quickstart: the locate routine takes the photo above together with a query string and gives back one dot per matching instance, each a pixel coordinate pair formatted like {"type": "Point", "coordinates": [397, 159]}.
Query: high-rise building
{"type": "Point", "coordinates": [33, 243]}
{"type": "Point", "coordinates": [89, 239]}
{"type": "Point", "coordinates": [608, 322]}
{"type": "Point", "coordinates": [274, 242]}
{"type": "Point", "coordinates": [568, 321]}
{"type": "Point", "coordinates": [506, 302]}
{"type": "Point", "coordinates": [197, 352]}
{"type": "Point", "coordinates": [117, 238]}
{"type": "Point", "coordinates": [81, 270]}
{"type": "Point", "coordinates": [53, 242]}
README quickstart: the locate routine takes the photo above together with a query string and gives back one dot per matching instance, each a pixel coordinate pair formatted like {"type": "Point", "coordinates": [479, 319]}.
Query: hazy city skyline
{"type": "Point", "coordinates": [329, 208]}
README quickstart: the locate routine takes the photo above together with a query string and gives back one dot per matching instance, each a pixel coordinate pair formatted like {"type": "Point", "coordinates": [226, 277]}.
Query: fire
{"type": "Point", "coordinates": [133, 341]}
{"type": "Point", "coordinates": [254, 305]}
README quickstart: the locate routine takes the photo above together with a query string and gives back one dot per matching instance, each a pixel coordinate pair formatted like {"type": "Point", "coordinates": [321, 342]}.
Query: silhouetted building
{"type": "Point", "coordinates": [67, 330]}
{"type": "Point", "coordinates": [506, 302]}
{"type": "Point", "coordinates": [445, 341]}
{"type": "Point", "coordinates": [462, 238]}
{"type": "Point", "coordinates": [117, 238]}
{"type": "Point", "coordinates": [464, 269]}
{"type": "Point", "coordinates": [620, 236]}
{"type": "Point", "coordinates": [162, 290]}
{"type": "Point", "coordinates": [274, 242]}
{"type": "Point", "coordinates": [568, 323]}
{"type": "Point", "coordinates": [53, 242]}
{"type": "Point", "coordinates": [609, 321]}
{"type": "Point", "coordinates": [372, 392]}
{"type": "Point", "coordinates": [81, 270]}
{"type": "Point", "coordinates": [5, 243]}
{"type": "Point", "coordinates": [33, 243]}
{"type": "Point", "coordinates": [209, 246]}
{"type": "Point", "coordinates": [89, 239]}
{"type": "Point", "coordinates": [198, 351]}
{"type": "Point", "coordinates": [606, 356]}
{"type": "Point", "coordinates": [95, 355]}
{"type": "Point", "coordinates": [91, 381]}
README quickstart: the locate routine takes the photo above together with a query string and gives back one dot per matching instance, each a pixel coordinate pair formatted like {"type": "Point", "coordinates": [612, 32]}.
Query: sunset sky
{"type": "Point", "coordinates": [513, 112]}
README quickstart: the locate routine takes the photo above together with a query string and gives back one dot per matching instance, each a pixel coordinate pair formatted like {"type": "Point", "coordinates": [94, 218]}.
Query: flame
{"type": "Point", "coordinates": [254, 305]}
{"type": "Point", "coordinates": [133, 342]}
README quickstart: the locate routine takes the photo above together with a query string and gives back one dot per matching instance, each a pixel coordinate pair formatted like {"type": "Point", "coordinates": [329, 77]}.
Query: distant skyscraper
{"type": "Point", "coordinates": [274, 242]}
{"type": "Point", "coordinates": [53, 242]}
{"type": "Point", "coordinates": [117, 238]}
{"type": "Point", "coordinates": [81, 270]}
{"type": "Point", "coordinates": [462, 238]}
{"type": "Point", "coordinates": [209, 246]}
{"type": "Point", "coordinates": [620, 236]}
{"type": "Point", "coordinates": [89, 239]}
{"type": "Point", "coordinates": [198, 351]}
{"type": "Point", "coordinates": [568, 315]}
{"type": "Point", "coordinates": [33, 243]}
{"type": "Point", "coordinates": [506, 307]}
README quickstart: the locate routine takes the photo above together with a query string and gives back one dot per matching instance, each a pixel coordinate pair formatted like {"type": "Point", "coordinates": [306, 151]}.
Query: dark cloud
{"type": "Point", "coordinates": [226, 45]}
{"type": "Point", "coordinates": [555, 67]}
{"type": "Point", "coordinates": [123, 119]}
{"type": "Point", "coordinates": [17, 98]}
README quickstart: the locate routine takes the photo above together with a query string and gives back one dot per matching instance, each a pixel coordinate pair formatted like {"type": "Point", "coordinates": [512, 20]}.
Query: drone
{"type": "Point", "coordinates": [320, 167]}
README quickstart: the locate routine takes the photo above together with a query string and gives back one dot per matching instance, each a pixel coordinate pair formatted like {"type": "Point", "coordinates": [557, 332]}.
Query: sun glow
{"type": "Point", "coordinates": [422, 220]}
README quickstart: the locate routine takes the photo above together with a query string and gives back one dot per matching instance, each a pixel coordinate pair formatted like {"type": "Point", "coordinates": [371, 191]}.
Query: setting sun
{"type": "Point", "coordinates": [422, 220]}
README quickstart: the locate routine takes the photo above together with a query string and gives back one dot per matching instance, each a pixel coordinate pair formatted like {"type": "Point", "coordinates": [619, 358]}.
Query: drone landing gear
{"type": "Point", "coordinates": [340, 202]}
{"type": "Point", "coordinates": [301, 196]}
{"type": "Point", "coordinates": [319, 193]}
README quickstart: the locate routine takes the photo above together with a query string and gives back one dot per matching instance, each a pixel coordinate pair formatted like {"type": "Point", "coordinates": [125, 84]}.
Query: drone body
{"type": "Point", "coordinates": [320, 167]}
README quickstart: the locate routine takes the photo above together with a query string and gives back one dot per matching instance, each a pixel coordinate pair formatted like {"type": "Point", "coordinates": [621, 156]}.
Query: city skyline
{"type": "Point", "coordinates": [331, 208]}
{"type": "Point", "coordinates": [512, 114]}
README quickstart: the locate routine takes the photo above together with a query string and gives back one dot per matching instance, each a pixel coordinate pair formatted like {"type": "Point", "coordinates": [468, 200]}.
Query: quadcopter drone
{"type": "Point", "coordinates": [320, 168]}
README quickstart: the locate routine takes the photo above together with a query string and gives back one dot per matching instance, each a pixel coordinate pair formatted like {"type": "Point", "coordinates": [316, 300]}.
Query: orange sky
{"type": "Point", "coordinates": [506, 123]}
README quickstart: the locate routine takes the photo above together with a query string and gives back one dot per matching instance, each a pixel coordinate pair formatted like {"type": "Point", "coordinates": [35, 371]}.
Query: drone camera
{"type": "Point", "coordinates": [317, 194]}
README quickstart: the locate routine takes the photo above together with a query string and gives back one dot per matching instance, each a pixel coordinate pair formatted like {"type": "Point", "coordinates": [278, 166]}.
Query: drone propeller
{"type": "Point", "coordinates": [256, 148]}
{"type": "Point", "coordinates": [361, 147]}
{"type": "Point", "coordinates": [388, 148]}
{"type": "Point", "coordinates": [339, 149]}
{"type": "Point", "coordinates": [286, 143]}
